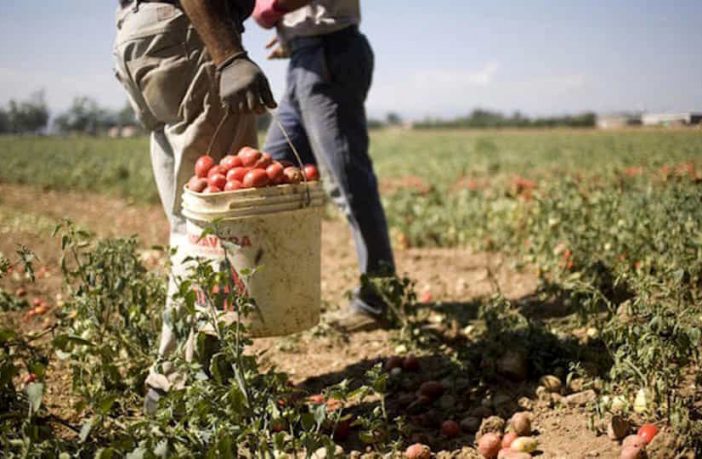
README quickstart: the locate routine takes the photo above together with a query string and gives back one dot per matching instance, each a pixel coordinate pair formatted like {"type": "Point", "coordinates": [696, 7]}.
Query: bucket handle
{"type": "Point", "coordinates": [227, 113]}
{"type": "Point", "coordinates": [297, 155]}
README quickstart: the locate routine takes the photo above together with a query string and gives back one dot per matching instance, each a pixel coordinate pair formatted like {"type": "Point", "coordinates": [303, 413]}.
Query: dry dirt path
{"type": "Point", "coordinates": [460, 276]}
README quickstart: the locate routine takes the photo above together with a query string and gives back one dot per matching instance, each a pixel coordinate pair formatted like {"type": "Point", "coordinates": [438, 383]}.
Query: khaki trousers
{"type": "Point", "coordinates": [173, 87]}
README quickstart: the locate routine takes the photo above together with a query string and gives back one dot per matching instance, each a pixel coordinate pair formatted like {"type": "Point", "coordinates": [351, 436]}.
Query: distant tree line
{"type": "Point", "coordinates": [392, 119]}
{"type": "Point", "coordinates": [481, 118]}
{"type": "Point", "coordinates": [84, 116]}
{"type": "Point", "coordinates": [25, 117]}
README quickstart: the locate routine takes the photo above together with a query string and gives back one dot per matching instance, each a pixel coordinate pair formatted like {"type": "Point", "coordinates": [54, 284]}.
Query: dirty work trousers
{"type": "Point", "coordinates": [324, 114]}
{"type": "Point", "coordinates": [173, 87]}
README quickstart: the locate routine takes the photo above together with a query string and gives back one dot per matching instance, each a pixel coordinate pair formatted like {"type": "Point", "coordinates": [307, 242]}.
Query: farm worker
{"type": "Point", "coordinates": [329, 74]}
{"type": "Point", "coordinates": [185, 70]}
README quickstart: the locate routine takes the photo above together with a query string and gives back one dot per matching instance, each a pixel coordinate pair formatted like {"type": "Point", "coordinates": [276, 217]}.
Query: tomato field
{"type": "Point", "coordinates": [549, 298]}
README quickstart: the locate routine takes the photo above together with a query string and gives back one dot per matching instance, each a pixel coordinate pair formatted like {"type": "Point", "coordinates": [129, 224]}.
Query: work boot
{"type": "Point", "coordinates": [362, 314]}
{"type": "Point", "coordinates": [151, 401]}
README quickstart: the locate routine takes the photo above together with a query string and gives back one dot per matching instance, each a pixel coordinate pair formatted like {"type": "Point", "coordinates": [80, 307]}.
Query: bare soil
{"type": "Point", "coordinates": [454, 277]}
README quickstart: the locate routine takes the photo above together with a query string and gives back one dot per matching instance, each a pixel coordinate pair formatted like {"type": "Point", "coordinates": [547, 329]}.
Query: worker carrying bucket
{"type": "Point", "coordinates": [186, 72]}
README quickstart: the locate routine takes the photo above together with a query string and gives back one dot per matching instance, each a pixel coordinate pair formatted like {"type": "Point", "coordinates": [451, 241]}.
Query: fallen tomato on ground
{"type": "Point", "coordinates": [647, 432]}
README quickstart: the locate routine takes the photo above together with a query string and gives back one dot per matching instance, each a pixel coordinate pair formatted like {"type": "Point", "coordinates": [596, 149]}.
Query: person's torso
{"type": "Point", "coordinates": [320, 17]}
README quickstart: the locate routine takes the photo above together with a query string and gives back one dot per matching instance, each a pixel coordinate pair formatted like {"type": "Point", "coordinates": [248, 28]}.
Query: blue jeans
{"type": "Point", "coordinates": [323, 112]}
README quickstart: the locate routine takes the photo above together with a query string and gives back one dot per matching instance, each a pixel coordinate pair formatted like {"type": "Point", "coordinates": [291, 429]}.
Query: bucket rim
{"type": "Point", "coordinates": [193, 216]}
{"type": "Point", "coordinates": [272, 190]}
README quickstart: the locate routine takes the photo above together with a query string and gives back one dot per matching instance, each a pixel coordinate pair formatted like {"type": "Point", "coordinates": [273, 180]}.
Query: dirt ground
{"type": "Point", "coordinates": [454, 276]}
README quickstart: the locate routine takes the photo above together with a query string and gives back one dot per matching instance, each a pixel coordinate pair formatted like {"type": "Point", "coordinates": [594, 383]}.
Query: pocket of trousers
{"type": "Point", "coordinates": [136, 100]}
{"type": "Point", "coordinates": [162, 81]}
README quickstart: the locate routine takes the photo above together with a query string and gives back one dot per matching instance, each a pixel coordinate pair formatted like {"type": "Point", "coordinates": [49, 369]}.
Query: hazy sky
{"type": "Point", "coordinates": [433, 58]}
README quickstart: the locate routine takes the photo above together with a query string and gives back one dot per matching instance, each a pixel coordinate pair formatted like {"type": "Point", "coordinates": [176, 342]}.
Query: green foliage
{"type": "Point", "coordinates": [623, 252]}
{"type": "Point", "coordinates": [23, 419]}
{"type": "Point", "coordinates": [220, 403]}
{"type": "Point", "coordinates": [25, 117]}
{"type": "Point", "coordinates": [111, 326]}
{"type": "Point", "coordinates": [83, 163]}
{"type": "Point", "coordinates": [24, 262]}
{"type": "Point", "coordinates": [612, 221]}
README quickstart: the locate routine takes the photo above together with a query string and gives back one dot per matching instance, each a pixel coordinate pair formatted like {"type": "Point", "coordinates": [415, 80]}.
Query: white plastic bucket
{"type": "Point", "coordinates": [277, 231]}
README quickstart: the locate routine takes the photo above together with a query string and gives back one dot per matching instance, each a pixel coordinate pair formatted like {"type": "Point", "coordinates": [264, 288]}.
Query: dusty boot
{"type": "Point", "coordinates": [362, 314]}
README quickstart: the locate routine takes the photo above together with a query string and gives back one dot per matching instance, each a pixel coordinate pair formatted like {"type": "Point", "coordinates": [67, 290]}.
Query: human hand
{"type": "Point", "coordinates": [278, 51]}
{"type": "Point", "coordinates": [243, 85]}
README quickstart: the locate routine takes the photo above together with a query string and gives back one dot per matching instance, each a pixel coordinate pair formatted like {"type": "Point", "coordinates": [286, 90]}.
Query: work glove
{"type": "Point", "coordinates": [267, 13]}
{"type": "Point", "coordinates": [243, 86]}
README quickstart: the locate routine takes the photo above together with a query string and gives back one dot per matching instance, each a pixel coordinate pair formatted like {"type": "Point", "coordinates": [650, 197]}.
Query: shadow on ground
{"type": "Point", "coordinates": [488, 356]}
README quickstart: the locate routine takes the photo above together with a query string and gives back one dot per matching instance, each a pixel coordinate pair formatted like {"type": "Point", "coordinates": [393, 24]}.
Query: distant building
{"type": "Point", "coordinates": [617, 120]}
{"type": "Point", "coordinates": [123, 131]}
{"type": "Point", "coordinates": [130, 131]}
{"type": "Point", "coordinates": [672, 119]}
{"type": "Point", "coordinates": [113, 132]}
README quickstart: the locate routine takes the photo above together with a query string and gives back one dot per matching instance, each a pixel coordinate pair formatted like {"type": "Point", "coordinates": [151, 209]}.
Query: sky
{"type": "Point", "coordinates": [439, 58]}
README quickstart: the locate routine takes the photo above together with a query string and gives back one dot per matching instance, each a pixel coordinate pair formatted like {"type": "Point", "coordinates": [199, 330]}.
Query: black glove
{"type": "Point", "coordinates": [243, 86]}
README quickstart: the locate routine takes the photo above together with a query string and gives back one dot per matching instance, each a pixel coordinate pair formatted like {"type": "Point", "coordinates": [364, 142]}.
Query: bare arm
{"type": "Point", "coordinates": [242, 84]}
{"type": "Point", "coordinates": [212, 22]}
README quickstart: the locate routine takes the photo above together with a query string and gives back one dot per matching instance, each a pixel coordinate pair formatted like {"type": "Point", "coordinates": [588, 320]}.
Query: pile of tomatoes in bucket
{"type": "Point", "coordinates": [249, 168]}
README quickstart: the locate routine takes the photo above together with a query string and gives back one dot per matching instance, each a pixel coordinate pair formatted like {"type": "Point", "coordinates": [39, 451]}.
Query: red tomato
{"type": "Point", "coordinates": [233, 185]}
{"type": "Point", "coordinates": [237, 173]}
{"type": "Point", "coordinates": [392, 362]}
{"type": "Point", "coordinates": [432, 389]}
{"type": "Point", "coordinates": [279, 425]}
{"type": "Point", "coordinates": [203, 165]}
{"type": "Point", "coordinates": [249, 156]}
{"type": "Point", "coordinates": [197, 184]}
{"type": "Point", "coordinates": [316, 399]}
{"type": "Point", "coordinates": [214, 170]}
{"type": "Point", "coordinates": [217, 181]}
{"type": "Point", "coordinates": [293, 175]}
{"type": "Point", "coordinates": [418, 451]}
{"type": "Point", "coordinates": [311, 172]}
{"type": "Point", "coordinates": [410, 363]}
{"type": "Point", "coordinates": [37, 302]}
{"type": "Point", "coordinates": [342, 430]}
{"type": "Point", "coordinates": [264, 161]}
{"type": "Point", "coordinates": [647, 432]}
{"type": "Point", "coordinates": [450, 429]}
{"type": "Point", "coordinates": [30, 378]}
{"type": "Point", "coordinates": [230, 161]}
{"type": "Point", "coordinates": [212, 189]}
{"type": "Point", "coordinates": [275, 172]}
{"type": "Point", "coordinates": [255, 178]}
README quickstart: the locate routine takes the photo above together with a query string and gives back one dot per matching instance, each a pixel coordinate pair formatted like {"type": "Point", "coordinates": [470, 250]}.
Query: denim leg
{"type": "Point", "coordinates": [289, 116]}
{"type": "Point", "coordinates": [331, 83]}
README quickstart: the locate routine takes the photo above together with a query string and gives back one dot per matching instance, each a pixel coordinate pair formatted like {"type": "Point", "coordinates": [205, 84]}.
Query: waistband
{"type": "Point", "coordinates": [318, 40]}
{"type": "Point", "coordinates": [126, 3]}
